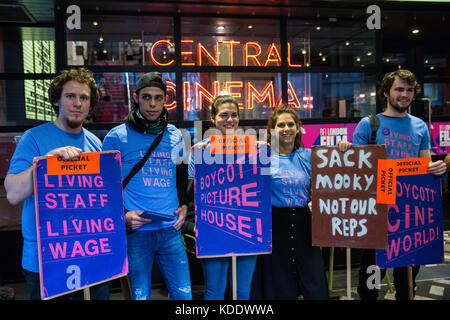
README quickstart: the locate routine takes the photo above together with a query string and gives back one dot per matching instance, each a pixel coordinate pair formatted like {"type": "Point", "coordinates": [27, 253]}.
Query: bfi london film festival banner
{"type": "Point", "coordinates": [440, 138]}
{"type": "Point", "coordinates": [345, 212]}
{"type": "Point", "coordinates": [232, 197]}
{"type": "Point", "coordinates": [415, 221]}
{"type": "Point", "coordinates": [327, 134]}
{"type": "Point", "coordinates": [80, 221]}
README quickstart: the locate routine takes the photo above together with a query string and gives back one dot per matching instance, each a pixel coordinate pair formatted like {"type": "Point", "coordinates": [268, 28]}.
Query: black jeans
{"type": "Point", "coordinates": [98, 292]}
{"type": "Point", "coordinates": [368, 258]}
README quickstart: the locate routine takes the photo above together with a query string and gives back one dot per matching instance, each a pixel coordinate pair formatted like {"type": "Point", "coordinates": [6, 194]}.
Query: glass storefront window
{"type": "Point", "coordinates": [230, 42]}
{"type": "Point", "coordinates": [437, 65]}
{"type": "Point", "coordinates": [37, 105]}
{"type": "Point", "coordinates": [393, 61]}
{"type": "Point", "coordinates": [116, 95]}
{"type": "Point", "coordinates": [122, 40]}
{"type": "Point", "coordinates": [27, 100]}
{"type": "Point", "coordinates": [332, 95]}
{"type": "Point", "coordinates": [439, 95]}
{"type": "Point", "coordinates": [257, 93]}
{"type": "Point", "coordinates": [22, 102]}
{"type": "Point", "coordinates": [27, 50]}
{"type": "Point", "coordinates": [329, 44]}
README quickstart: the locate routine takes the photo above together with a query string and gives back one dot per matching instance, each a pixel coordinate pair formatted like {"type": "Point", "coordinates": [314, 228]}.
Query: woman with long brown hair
{"type": "Point", "coordinates": [294, 267]}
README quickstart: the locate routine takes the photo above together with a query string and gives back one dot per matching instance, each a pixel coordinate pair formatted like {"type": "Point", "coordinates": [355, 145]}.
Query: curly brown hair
{"type": "Point", "coordinates": [389, 79]}
{"type": "Point", "coordinates": [80, 75]}
{"type": "Point", "coordinates": [273, 120]}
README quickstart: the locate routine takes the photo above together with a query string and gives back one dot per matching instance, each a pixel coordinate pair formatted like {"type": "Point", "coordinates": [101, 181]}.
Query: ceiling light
{"type": "Point", "coordinates": [320, 54]}
{"type": "Point", "coordinates": [415, 31]}
{"type": "Point", "coordinates": [250, 26]}
{"type": "Point", "coordinates": [347, 43]}
{"type": "Point", "coordinates": [432, 68]}
{"type": "Point", "coordinates": [220, 27]}
{"type": "Point", "coordinates": [387, 59]}
{"type": "Point", "coordinates": [100, 39]}
{"type": "Point", "coordinates": [95, 23]}
{"type": "Point", "coordinates": [303, 51]}
{"type": "Point", "coordinates": [318, 28]}
{"type": "Point", "coordinates": [369, 53]}
{"type": "Point", "coordinates": [358, 59]}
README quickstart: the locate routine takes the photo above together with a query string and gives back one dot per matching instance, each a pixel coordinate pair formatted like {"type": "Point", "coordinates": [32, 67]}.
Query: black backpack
{"type": "Point", "coordinates": [374, 125]}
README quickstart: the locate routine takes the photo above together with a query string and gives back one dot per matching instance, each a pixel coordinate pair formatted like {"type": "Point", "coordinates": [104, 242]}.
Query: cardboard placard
{"type": "Point", "coordinates": [345, 212]}
{"type": "Point", "coordinates": [80, 223]}
{"type": "Point", "coordinates": [233, 204]}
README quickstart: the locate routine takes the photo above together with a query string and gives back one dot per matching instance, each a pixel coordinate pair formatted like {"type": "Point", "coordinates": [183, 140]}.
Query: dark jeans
{"type": "Point", "coordinates": [166, 247]}
{"type": "Point", "coordinates": [368, 258]}
{"type": "Point", "coordinates": [98, 292]}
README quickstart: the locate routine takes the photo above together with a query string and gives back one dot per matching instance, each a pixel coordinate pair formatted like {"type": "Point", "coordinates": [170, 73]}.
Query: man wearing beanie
{"type": "Point", "coordinates": [156, 188]}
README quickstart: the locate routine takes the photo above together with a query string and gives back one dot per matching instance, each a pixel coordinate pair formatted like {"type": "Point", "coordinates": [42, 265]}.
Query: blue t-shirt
{"type": "Point", "coordinates": [191, 158]}
{"type": "Point", "coordinates": [37, 142]}
{"type": "Point", "coordinates": [154, 187]}
{"type": "Point", "coordinates": [291, 178]}
{"type": "Point", "coordinates": [403, 137]}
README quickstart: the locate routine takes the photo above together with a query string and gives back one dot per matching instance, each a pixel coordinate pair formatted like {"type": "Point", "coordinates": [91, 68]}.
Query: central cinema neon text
{"type": "Point", "coordinates": [245, 93]}
{"type": "Point", "coordinates": [198, 55]}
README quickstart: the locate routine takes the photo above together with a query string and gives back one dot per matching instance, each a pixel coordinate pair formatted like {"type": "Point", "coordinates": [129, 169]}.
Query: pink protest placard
{"type": "Point", "coordinates": [80, 225]}
{"type": "Point", "coordinates": [232, 205]}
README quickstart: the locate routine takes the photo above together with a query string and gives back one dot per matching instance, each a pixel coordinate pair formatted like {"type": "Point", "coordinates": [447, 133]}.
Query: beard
{"type": "Point", "coordinates": [74, 124]}
{"type": "Point", "coordinates": [397, 107]}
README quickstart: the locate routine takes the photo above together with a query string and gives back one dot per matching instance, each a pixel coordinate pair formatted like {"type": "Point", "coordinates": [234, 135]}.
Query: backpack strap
{"type": "Point", "coordinates": [374, 125]}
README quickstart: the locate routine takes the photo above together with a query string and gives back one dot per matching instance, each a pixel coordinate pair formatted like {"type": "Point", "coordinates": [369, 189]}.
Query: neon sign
{"type": "Point", "coordinates": [228, 53]}
{"type": "Point", "coordinates": [246, 93]}
{"type": "Point", "coordinates": [198, 55]}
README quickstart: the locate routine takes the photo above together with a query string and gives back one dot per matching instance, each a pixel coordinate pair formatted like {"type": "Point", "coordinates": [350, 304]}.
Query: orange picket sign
{"type": "Point", "coordinates": [86, 163]}
{"type": "Point", "coordinates": [388, 170]}
{"type": "Point", "coordinates": [231, 144]}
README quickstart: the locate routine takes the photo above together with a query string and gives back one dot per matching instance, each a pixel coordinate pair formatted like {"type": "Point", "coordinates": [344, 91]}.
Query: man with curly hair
{"type": "Point", "coordinates": [73, 94]}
